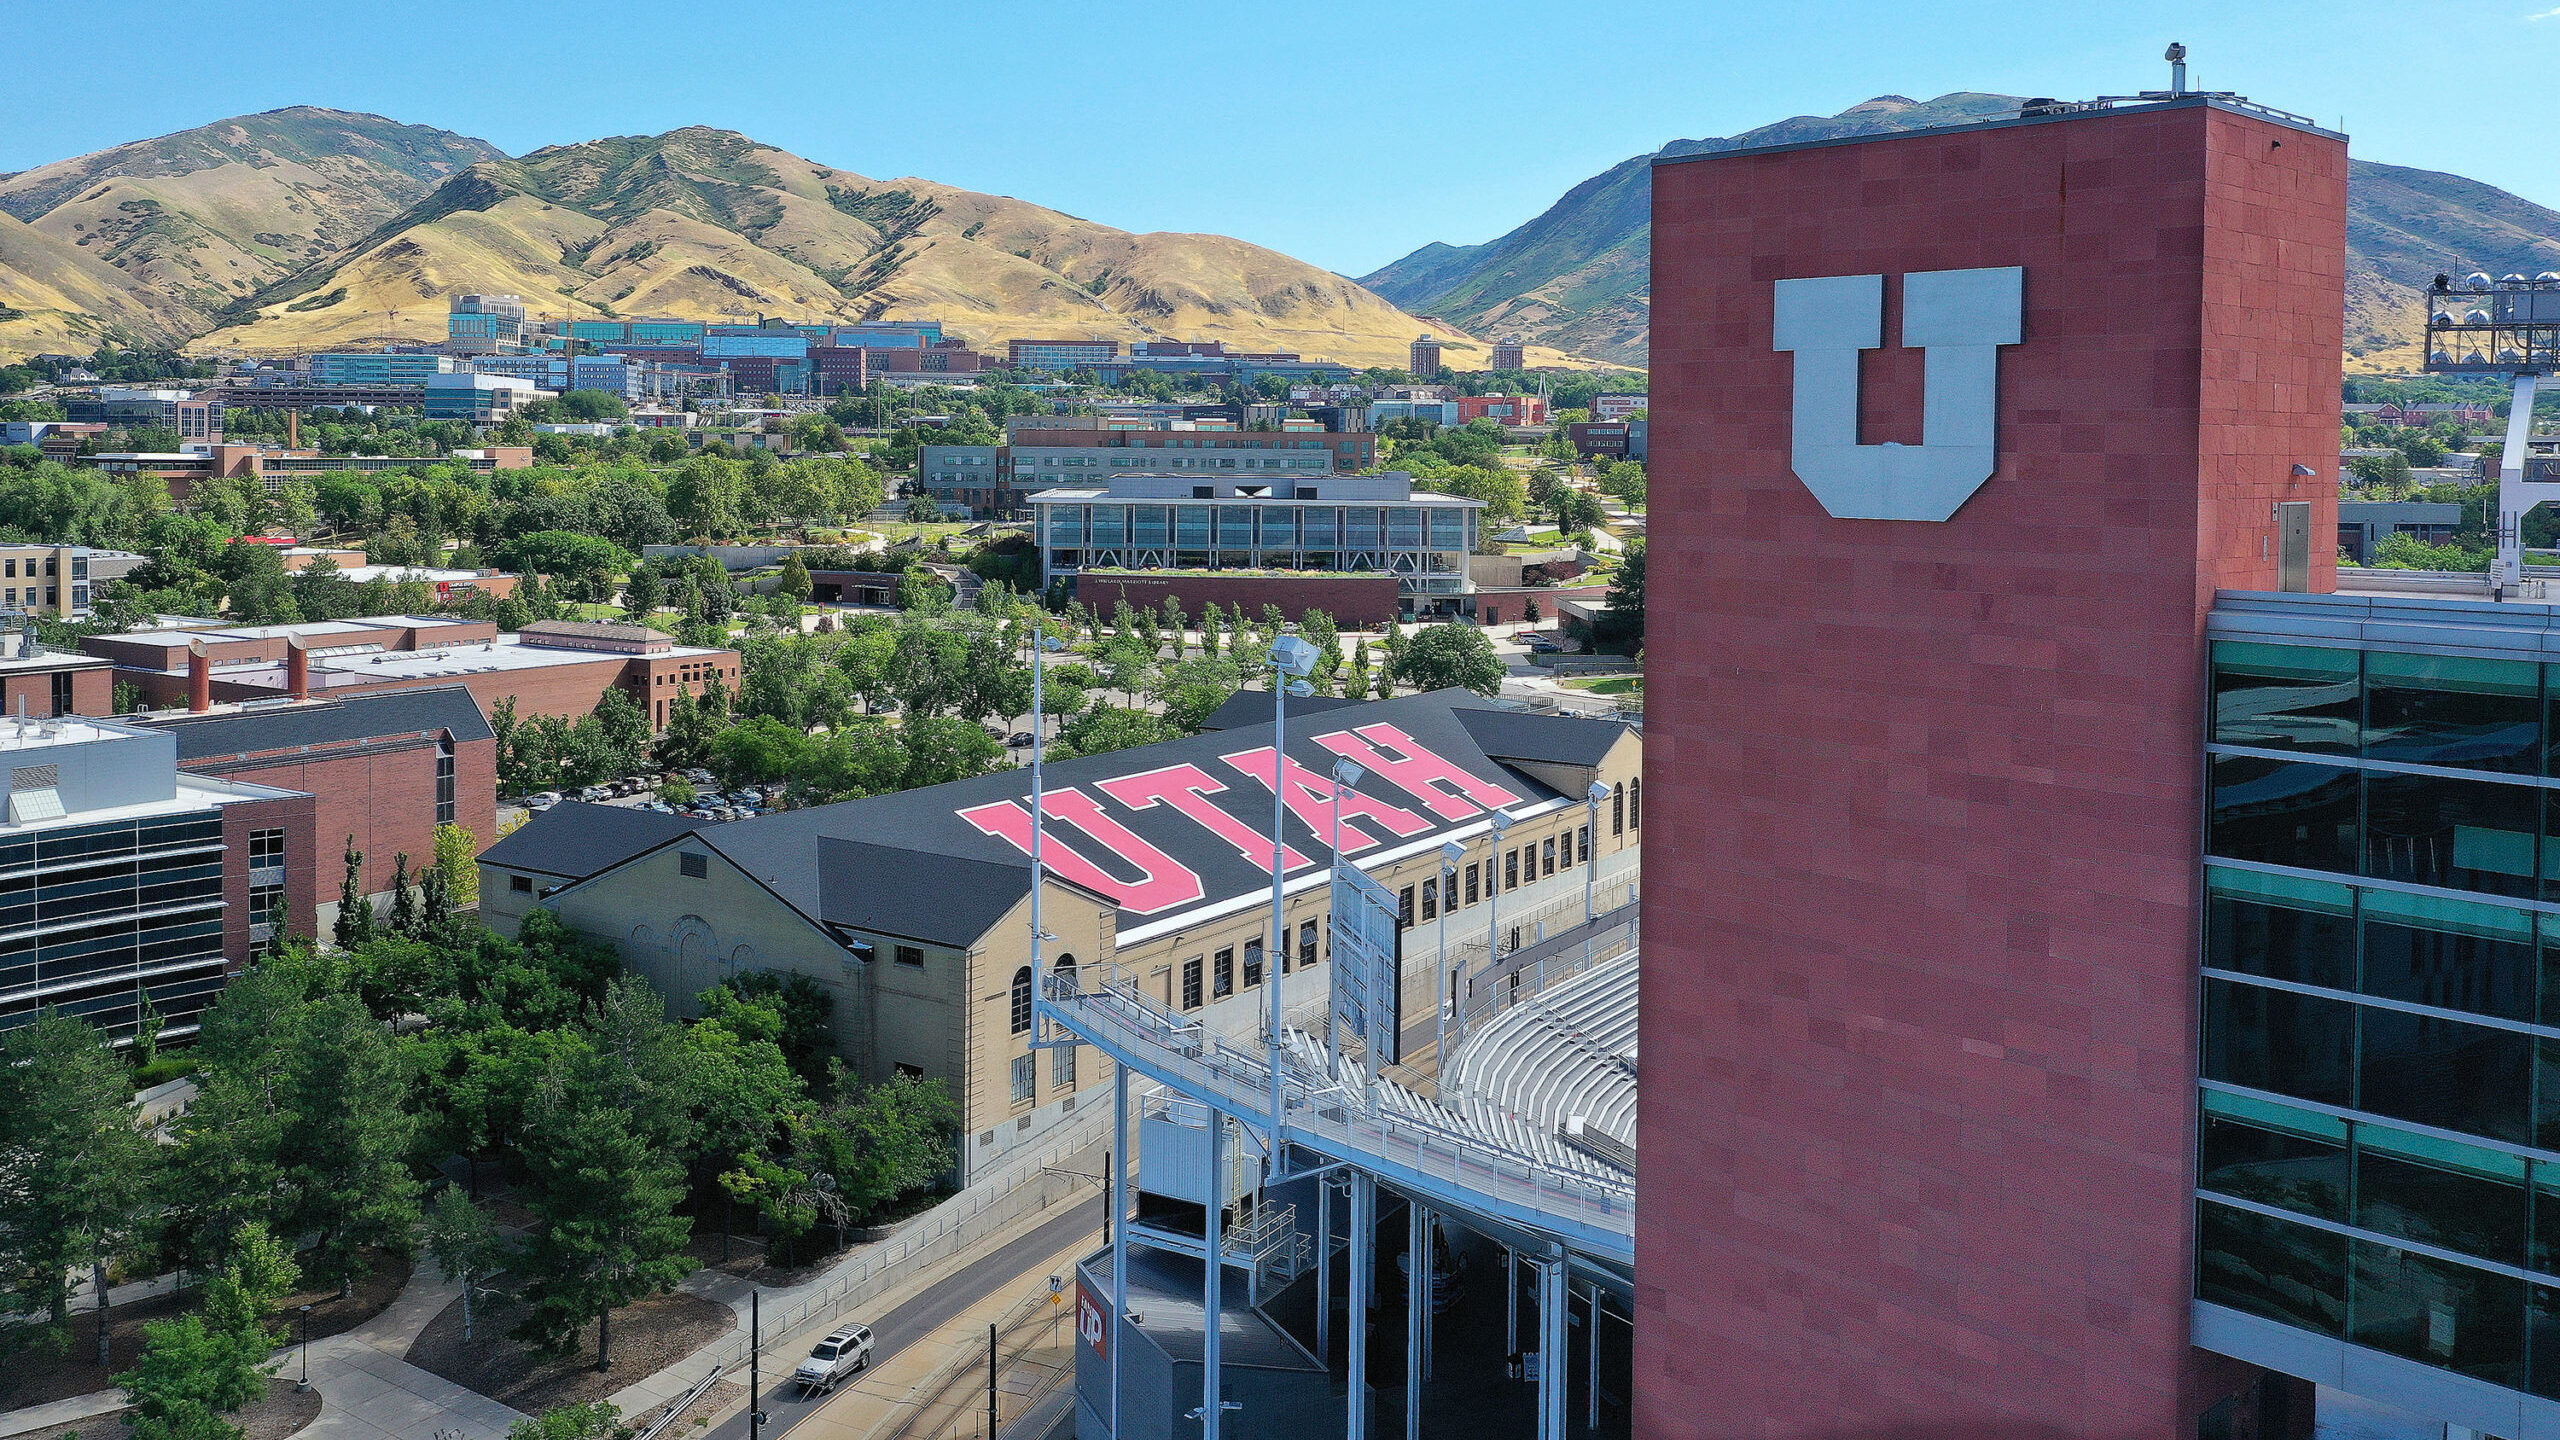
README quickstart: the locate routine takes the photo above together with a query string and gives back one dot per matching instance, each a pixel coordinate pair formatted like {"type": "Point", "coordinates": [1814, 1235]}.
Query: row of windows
{"type": "Point", "coordinates": [2472, 714]}
{"type": "Point", "coordinates": [1523, 864]}
{"type": "Point", "coordinates": [2423, 1069]}
{"type": "Point", "coordinates": [1253, 524]}
{"type": "Point", "coordinates": [2494, 837]}
{"type": "Point", "coordinates": [2497, 1328]}
{"type": "Point", "coordinates": [2436, 950]}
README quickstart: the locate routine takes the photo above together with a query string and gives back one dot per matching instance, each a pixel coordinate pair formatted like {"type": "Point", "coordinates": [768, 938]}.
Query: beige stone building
{"type": "Point", "coordinates": [914, 909]}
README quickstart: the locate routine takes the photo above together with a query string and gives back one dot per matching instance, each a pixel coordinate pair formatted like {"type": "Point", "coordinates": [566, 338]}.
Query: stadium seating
{"type": "Point", "coordinates": [1568, 1051]}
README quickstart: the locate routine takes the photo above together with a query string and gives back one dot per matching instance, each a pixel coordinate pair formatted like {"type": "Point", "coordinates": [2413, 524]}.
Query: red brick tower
{"type": "Point", "coordinates": [1923, 893]}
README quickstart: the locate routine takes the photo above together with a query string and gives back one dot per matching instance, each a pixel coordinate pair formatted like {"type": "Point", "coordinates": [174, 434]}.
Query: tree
{"type": "Point", "coordinates": [404, 901]}
{"type": "Point", "coordinates": [1621, 624]}
{"type": "Point", "coordinates": [883, 1141]}
{"type": "Point", "coordinates": [354, 924]}
{"type": "Point", "coordinates": [605, 1228]}
{"type": "Point", "coordinates": [707, 496]}
{"type": "Point", "coordinates": [1447, 656]}
{"type": "Point", "coordinates": [1109, 727]}
{"type": "Point", "coordinates": [642, 593]}
{"type": "Point", "coordinates": [580, 567]}
{"type": "Point", "coordinates": [595, 1420]}
{"type": "Point", "coordinates": [77, 1172]}
{"type": "Point", "coordinates": [463, 1242]}
{"type": "Point", "coordinates": [199, 1367]}
{"type": "Point", "coordinates": [794, 580]}
{"type": "Point", "coordinates": [458, 856]}
{"type": "Point", "coordinates": [345, 1147]}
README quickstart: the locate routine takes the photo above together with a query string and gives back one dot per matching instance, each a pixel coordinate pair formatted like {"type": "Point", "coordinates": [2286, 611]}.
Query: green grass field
{"type": "Point", "coordinates": [1607, 685]}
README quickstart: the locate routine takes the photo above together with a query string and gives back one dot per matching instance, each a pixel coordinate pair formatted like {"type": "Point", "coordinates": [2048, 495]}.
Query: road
{"type": "Point", "coordinates": [920, 1317]}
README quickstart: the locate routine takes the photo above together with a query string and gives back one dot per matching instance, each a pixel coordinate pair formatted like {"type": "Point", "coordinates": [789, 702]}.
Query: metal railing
{"type": "Point", "coordinates": [1336, 1116]}
{"type": "Point", "coordinates": [1532, 968]}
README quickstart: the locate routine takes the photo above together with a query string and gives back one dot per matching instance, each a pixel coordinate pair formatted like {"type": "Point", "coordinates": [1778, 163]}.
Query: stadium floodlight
{"type": "Point", "coordinates": [1291, 655]}
{"type": "Point", "coordinates": [1299, 689]}
{"type": "Point", "coordinates": [1348, 772]}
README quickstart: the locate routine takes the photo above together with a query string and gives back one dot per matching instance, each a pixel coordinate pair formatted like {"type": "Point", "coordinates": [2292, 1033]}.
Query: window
{"type": "Point", "coordinates": [2273, 1154]}
{"type": "Point", "coordinates": [1021, 999]}
{"type": "Point", "coordinates": [1252, 963]}
{"type": "Point", "coordinates": [1063, 975]}
{"type": "Point", "coordinates": [905, 1071]}
{"type": "Point", "coordinates": [1191, 983]}
{"type": "Point", "coordinates": [2264, 1266]}
{"type": "Point", "coordinates": [1617, 809]}
{"type": "Point", "coordinates": [1547, 852]}
{"type": "Point", "coordinates": [1062, 1068]}
{"type": "Point", "coordinates": [265, 901]}
{"type": "Point", "coordinates": [909, 955]}
{"type": "Point", "coordinates": [1511, 870]}
{"type": "Point", "coordinates": [1404, 908]}
{"type": "Point", "coordinates": [692, 866]}
{"type": "Point", "coordinates": [2282, 813]}
{"type": "Point", "coordinates": [1226, 972]}
{"type": "Point", "coordinates": [1430, 899]}
{"type": "Point", "coordinates": [1307, 943]}
{"type": "Point", "coordinates": [1026, 1080]}
{"type": "Point", "coordinates": [1635, 804]}
{"type": "Point", "coordinates": [62, 701]}
{"type": "Point", "coordinates": [266, 848]}
{"type": "Point", "coordinates": [2300, 1045]}
{"type": "Point", "coordinates": [1582, 841]}
{"type": "Point", "coordinates": [520, 884]}
{"type": "Point", "coordinates": [1471, 883]}
{"type": "Point", "coordinates": [444, 781]}
{"type": "Point", "coordinates": [2463, 834]}
{"type": "Point", "coordinates": [2442, 710]}
{"type": "Point", "coordinates": [2281, 927]}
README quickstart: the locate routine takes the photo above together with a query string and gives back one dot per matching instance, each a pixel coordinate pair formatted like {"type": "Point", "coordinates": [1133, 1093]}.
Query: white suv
{"type": "Point", "coordinates": [835, 1357]}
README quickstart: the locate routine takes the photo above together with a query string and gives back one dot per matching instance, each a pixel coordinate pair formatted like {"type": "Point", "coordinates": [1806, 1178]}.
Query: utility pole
{"type": "Point", "coordinates": [991, 1380]}
{"type": "Point", "coordinates": [755, 1370]}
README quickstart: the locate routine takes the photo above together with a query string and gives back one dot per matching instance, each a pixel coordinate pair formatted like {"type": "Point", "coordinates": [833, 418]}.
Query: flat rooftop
{"type": "Point", "coordinates": [448, 662]}
{"type": "Point", "coordinates": [1164, 1292]}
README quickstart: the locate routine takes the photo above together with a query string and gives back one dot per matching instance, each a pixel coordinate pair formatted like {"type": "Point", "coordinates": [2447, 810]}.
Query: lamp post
{"type": "Point", "coordinates": [304, 1384]}
{"type": "Point", "coordinates": [1501, 823]}
{"type": "Point", "coordinates": [1450, 855]}
{"type": "Point", "coordinates": [1292, 660]}
{"type": "Point", "coordinates": [1591, 831]}
{"type": "Point", "coordinates": [1346, 775]}
{"type": "Point", "coordinates": [1041, 645]}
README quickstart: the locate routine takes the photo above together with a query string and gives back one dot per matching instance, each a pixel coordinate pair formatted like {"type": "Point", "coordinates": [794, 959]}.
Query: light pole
{"type": "Point", "coordinates": [1292, 660]}
{"type": "Point", "coordinates": [1591, 864]}
{"type": "Point", "coordinates": [1450, 855]}
{"type": "Point", "coordinates": [1041, 645]}
{"type": "Point", "coordinates": [1500, 823]}
{"type": "Point", "coordinates": [304, 1384]}
{"type": "Point", "coordinates": [1346, 774]}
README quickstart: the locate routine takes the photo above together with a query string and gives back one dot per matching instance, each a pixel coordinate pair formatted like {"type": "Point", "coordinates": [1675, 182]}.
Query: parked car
{"type": "Point", "coordinates": [701, 777]}
{"type": "Point", "coordinates": [543, 801]}
{"type": "Point", "coordinates": [1542, 644]}
{"type": "Point", "coordinates": [843, 1353]}
{"type": "Point", "coordinates": [1019, 740]}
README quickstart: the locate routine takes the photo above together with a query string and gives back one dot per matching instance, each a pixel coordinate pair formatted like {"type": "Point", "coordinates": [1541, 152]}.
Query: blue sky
{"type": "Point", "coordinates": [1344, 134]}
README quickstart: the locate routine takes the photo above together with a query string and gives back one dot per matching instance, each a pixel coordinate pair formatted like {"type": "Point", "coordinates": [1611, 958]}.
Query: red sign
{"type": "Point", "coordinates": [1090, 1314]}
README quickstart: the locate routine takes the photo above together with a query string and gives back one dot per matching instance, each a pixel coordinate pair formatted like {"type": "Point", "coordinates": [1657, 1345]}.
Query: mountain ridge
{"type": "Point", "coordinates": [1577, 274]}
{"type": "Point", "coordinates": [699, 222]}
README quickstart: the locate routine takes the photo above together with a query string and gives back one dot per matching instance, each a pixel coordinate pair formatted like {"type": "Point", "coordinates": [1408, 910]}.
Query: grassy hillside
{"type": "Point", "coordinates": [708, 224]}
{"type": "Point", "coordinates": [1576, 275]}
{"type": "Point", "coordinates": [186, 224]}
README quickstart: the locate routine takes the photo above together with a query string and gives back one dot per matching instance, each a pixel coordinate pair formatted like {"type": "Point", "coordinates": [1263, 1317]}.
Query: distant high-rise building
{"type": "Point", "coordinates": [1059, 354]}
{"type": "Point", "coordinates": [499, 318]}
{"type": "Point", "coordinates": [1425, 361]}
{"type": "Point", "coordinates": [1510, 355]}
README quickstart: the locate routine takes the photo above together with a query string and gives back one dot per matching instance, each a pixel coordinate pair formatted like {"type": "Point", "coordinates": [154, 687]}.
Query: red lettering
{"type": "Point", "coordinates": [1187, 788]}
{"type": "Point", "coordinates": [1310, 798]}
{"type": "Point", "coordinates": [1162, 881]}
{"type": "Point", "coordinates": [1414, 770]}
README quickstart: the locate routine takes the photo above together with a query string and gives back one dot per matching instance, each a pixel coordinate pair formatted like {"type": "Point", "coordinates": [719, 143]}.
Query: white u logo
{"type": "Point", "coordinates": [1961, 318]}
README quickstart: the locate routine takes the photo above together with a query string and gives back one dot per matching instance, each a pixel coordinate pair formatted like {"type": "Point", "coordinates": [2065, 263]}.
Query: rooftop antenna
{"type": "Point", "coordinates": [2176, 55]}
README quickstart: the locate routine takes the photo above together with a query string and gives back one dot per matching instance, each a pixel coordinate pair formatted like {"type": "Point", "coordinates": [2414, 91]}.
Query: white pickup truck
{"type": "Point", "coordinates": [840, 1354]}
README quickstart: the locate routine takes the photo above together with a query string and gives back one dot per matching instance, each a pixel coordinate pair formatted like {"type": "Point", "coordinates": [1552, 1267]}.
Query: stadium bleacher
{"type": "Point", "coordinates": [1566, 1053]}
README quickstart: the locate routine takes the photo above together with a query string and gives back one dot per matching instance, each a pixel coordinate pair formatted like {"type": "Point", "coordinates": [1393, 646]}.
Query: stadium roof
{"type": "Point", "coordinates": [263, 728]}
{"type": "Point", "coordinates": [574, 840]}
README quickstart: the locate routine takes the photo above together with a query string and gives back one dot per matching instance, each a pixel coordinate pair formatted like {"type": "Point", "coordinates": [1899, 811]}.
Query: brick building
{"type": "Point", "coordinates": [1505, 410]}
{"type": "Point", "coordinates": [385, 769]}
{"type": "Point", "coordinates": [551, 667]}
{"type": "Point", "coordinates": [1920, 1026]}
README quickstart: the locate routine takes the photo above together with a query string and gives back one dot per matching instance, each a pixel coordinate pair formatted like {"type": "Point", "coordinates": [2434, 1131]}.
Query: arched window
{"type": "Point", "coordinates": [1617, 809]}
{"type": "Point", "coordinates": [1635, 804]}
{"type": "Point", "coordinates": [1067, 974]}
{"type": "Point", "coordinates": [1021, 999]}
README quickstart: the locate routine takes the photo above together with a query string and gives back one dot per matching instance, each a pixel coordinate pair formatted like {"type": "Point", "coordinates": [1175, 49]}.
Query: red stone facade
{"type": "Point", "coordinates": [294, 815]}
{"type": "Point", "coordinates": [1922, 906]}
{"type": "Point", "coordinates": [382, 791]}
{"type": "Point", "coordinates": [93, 691]}
{"type": "Point", "coordinates": [1360, 602]}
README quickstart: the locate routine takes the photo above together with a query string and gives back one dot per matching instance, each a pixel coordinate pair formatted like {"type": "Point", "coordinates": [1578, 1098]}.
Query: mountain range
{"type": "Point", "coordinates": [1578, 276]}
{"type": "Point", "coordinates": [303, 228]}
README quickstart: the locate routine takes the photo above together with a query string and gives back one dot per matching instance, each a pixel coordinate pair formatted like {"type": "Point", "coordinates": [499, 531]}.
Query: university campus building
{"type": "Point", "coordinates": [2098, 981]}
{"type": "Point", "coordinates": [912, 909]}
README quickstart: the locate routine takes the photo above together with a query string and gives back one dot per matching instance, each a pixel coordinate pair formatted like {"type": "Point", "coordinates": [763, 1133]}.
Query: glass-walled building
{"type": "Point", "coordinates": [1354, 524]}
{"type": "Point", "coordinates": [2378, 1151]}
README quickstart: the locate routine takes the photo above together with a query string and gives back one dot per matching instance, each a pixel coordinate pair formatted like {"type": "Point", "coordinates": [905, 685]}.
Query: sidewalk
{"type": "Point", "coordinates": [367, 1392]}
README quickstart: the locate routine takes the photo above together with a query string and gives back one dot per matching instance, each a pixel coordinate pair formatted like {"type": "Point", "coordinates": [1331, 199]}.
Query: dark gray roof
{"type": "Point", "coordinates": [262, 728]}
{"type": "Point", "coordinates": [1542, 739]}
{"type": "Point", "coordinates": [787, 853]}
{"type": "Point", "coordinates": [1253, 707]}
{"type": "Point", "coordinates": [574, 840]}
{"type": "Point", "coordinates": [891, 890]}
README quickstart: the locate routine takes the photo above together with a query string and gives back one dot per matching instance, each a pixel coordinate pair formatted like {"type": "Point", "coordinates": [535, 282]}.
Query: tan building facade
{"type": "Point", "coordinates": [914, 910]}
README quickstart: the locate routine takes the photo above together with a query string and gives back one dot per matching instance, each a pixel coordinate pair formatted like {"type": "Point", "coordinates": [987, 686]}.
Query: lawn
{"type": "Point", "coordinates": [1607, 685]}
